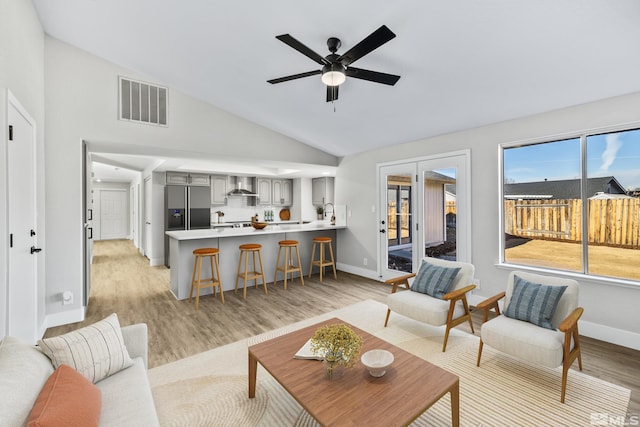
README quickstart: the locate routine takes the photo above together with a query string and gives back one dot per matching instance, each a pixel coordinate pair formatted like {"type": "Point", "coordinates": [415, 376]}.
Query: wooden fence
{"type": "Point", "coordinates": [612, 222]}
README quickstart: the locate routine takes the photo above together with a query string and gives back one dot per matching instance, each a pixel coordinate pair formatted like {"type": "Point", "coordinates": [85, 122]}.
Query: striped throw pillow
{"type": "Point", "coordinates": [96, 351]}
{"type": "Point", "coordinates": [533, 302]}
{"type": "Point", "coordinates": [434, 280]}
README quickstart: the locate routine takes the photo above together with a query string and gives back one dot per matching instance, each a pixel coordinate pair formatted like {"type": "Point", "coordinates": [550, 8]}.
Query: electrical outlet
{"type": "Point", "coordinates": [477, 283]}
{"type": "Point", "coordinates": [365, 261]}
{"type": "Point", "coordinates": [67, 298]}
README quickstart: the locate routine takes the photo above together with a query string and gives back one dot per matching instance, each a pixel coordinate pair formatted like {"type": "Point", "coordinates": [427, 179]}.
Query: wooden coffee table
{"type": "Point", "coordinates": [408, 388]}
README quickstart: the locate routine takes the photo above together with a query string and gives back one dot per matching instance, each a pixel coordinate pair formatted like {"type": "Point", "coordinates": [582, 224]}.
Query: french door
{"type": "Point", "coordinates": [425, 206]}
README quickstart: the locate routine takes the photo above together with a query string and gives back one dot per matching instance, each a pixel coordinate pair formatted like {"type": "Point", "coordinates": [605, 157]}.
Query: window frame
{"type": "Point", "coordinates": [582, 135]}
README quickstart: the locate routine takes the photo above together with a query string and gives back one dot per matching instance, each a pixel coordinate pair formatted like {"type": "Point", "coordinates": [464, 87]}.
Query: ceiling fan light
{"type": "Point", "coordinates": [333, 75]}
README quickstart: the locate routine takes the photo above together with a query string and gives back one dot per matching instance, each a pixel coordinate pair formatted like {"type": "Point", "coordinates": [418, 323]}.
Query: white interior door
{"type": "Point", "coordinates": [113, 214]}
{"type": "Point", "coordinates": [23, 251]}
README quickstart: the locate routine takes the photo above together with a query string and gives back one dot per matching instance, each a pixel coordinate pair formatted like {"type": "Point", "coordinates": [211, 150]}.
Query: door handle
{"type": "Point", "coordinates": [90, 215]}
{"type": "Point", "coordinates": [35, 250]}
{"type": "Point", "coordinates": [383, 230]}
{"type": "Point", "coordinates": [90, 233]}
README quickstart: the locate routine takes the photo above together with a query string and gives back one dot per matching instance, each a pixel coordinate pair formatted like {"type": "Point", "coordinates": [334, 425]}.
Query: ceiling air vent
{"type": "Point", "coordinates": [142, 102]}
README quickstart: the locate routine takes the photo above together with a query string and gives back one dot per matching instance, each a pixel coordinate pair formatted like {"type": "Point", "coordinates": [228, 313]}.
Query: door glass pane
{"type": "Point", "coordinates": [439, 212]}
{"type": "Point", "coordinates": [543, 205]}
{"type": "Point", "coordinates": [399, 224]}
{"type": "Point", "coordinates": [613, 204]}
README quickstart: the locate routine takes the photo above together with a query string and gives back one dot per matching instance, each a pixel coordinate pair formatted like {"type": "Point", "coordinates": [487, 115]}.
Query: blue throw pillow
{"type": "Point", "coordinates": [434, 280]}
{"type": "Point", "coordinates": [533, 302]}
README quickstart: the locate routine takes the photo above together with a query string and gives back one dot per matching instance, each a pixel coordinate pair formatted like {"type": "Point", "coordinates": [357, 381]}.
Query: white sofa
{"type": "Point", "coordinates": [126, 395]}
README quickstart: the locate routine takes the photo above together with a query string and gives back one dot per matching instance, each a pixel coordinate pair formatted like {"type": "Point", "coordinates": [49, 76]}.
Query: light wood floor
{"type": "Point", "coordinates": [123, 283]}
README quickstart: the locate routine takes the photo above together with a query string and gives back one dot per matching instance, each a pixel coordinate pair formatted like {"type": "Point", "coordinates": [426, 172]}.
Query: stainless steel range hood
{"type": "Point", "coordinates": [243, 186]}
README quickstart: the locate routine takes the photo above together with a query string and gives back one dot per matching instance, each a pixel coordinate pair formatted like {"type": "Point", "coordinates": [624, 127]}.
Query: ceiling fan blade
{"type": "Point", "coordinates": [332, 93]}
{"type": "Point", "coordinates": [294, 76]}
{"type": "Point", "coordinates": [370, 43]}
{"type": "Point", "coordinates": [289, 40]}
{"type": "Point", "coordinates": [372, 76]}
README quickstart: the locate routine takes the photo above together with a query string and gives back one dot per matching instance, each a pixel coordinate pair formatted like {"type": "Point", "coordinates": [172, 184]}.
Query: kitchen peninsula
{"type": "Point", "coordinates": [182, 243]}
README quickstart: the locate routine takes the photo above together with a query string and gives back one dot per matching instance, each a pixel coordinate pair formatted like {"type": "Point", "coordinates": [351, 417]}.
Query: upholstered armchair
{"type": "Point", "coordinates": [437, 295]}
{"type": "Point", "coordinates": [539, 323]}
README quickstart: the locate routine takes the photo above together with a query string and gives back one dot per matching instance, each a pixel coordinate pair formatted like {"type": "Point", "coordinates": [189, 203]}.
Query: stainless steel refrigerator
{"type": "Point", "coordinates": [186, 208]}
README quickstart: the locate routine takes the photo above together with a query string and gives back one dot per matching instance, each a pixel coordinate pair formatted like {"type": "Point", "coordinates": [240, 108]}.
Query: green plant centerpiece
{"type": "Point", "coordinates": [339, 345]}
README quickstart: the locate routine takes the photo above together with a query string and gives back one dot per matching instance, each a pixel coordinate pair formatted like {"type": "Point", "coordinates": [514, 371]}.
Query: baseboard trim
{"type": "Point", "coordinates": [369, 274]}
{"type": "Point", "coordinates": [65, 317]}
{"type": "Point", "coordinates": [154, 262]}
{"type": "Point", "coordinates": [592, 330]}
{"type": "Point", "coordinates": [611, 335]}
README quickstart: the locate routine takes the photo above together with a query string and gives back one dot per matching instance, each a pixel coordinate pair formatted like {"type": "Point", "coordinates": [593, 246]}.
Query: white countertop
{"type": "Point", "coordinates": [272, 228]}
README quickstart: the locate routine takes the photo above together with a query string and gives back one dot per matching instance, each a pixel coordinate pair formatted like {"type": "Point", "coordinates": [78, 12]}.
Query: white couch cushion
{"type": "Point", "coordinates": [422, 307]}
{"type": "Point", "coordinates": [524, 340]}
{"type": "Point", "coordinates": [23, 372]}
{"type": "Point", "coordinates": [127, 399]}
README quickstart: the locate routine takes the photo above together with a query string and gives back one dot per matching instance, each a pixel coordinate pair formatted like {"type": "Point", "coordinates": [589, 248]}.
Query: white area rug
{"type": "Point", "coordinates": [210, 389]}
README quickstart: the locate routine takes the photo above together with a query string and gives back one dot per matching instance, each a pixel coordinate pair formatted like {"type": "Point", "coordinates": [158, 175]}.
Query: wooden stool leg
{"type": "Point", "coordinates": [193, 277]}
{"type": "Point", "coordinates": [213, 277]}
{"type": "Point", "coordinates": [275, 276]}
{"type": "Point", "coordinates": [246, 269]}
{"type": "Point", "coordinates": [264, 282]}
{"type": "Point", "coordinates": [199, 279]}
{"type": "Point", "coordinates": [321, 260]}
{"type": "Point", "coordinates": [255, 269]}
{"type": "Point", "coordinates": [238, 273]}
{"type": "Point", "coordinates": [313, 253]}
{"type": "Point", "coordinates": [333, 262]}
{"type": "Point", "coordinates": [218, 279]}
{"type": "Point", "coordinates": [299, 265]}
{"type": "Point", "coordinates": [287, 263]}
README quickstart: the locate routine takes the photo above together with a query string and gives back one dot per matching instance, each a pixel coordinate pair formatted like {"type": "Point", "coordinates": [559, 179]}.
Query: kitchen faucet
{"type": "Point", "coordinates": [333, 212]}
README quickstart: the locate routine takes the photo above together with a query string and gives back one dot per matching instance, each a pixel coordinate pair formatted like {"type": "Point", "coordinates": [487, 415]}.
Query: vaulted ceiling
{"type": "Point", "coordinates": [463, 63]}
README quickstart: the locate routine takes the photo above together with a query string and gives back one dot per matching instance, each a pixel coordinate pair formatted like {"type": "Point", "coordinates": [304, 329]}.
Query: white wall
{"type": "Point", "coordinates": [22, 72]}
{"type": "Point", "coordinates": [81, 103]}
{"type": "Point", "coordinates": [609, 308]}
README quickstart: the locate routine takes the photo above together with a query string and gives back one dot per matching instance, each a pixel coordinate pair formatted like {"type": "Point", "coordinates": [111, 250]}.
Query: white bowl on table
{"type": "Point", "coordinates": [377, 361]}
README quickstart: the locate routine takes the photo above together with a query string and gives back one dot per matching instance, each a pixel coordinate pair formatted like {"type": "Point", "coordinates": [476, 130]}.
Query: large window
{"type": "Point", "coordinates": [574, 204]}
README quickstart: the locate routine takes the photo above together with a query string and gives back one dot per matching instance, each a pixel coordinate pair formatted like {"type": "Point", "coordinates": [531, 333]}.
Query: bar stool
{"type": "Point", "coordinates": [288, 266]}
{"type": "Point", "coordinates": [322, 262]}
{"type": "Point", "coordinates": [245, 250]}
{"type": "Point", "coordinates": [213, 281]}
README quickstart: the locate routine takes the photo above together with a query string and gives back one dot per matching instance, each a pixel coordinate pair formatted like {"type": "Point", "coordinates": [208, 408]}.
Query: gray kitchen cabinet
{"type": "Point", "coordinates": [282, 192]}
{"type": "Point", "coordinates": [219, 189]}
{"type": "Point", "coordinates": [263, 189]}
{"type": "Point", "coordinates": [322, 190]}
{"type": "Point", "coordinates": [184, 178]}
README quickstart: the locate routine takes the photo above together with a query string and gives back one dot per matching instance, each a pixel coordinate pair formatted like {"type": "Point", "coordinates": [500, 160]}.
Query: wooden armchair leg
{"type": "Point", "coordinates": [479, 352]}
{"type": "Point", "coordinates": [446, 338]}
{"type": "Point", "coordinates": [386, 320]}
{"type": "Point", "coordinates": [468, 313]}
{"type": "Point", "coordinates": [565, 371]}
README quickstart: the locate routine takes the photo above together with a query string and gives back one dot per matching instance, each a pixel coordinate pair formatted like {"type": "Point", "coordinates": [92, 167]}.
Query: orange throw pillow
{"type": "Point", "coordinates": [67, 399]}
